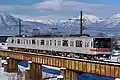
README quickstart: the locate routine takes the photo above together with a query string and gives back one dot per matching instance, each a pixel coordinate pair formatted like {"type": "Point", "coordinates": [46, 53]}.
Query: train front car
{"type": "Point", "coordinates": [101, 47]}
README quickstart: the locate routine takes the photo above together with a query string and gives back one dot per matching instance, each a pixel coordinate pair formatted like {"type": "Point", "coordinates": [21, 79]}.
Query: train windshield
{"type": "Point", "coordinates": [102, 43]}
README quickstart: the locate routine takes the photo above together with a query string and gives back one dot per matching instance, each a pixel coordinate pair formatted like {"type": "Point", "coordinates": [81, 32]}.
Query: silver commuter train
{"type": "Point", "coordinates": [89, 47]}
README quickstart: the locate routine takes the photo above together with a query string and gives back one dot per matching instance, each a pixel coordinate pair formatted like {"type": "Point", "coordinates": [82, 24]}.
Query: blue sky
{"type": "Point", "coordinates": [58, 9]}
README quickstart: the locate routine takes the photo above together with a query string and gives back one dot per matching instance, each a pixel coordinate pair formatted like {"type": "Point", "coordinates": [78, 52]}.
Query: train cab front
{"type": "Point", "coordinates": [101, 47]}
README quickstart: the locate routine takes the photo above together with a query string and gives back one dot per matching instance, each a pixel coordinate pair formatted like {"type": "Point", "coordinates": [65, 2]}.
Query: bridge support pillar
{"type": "Point", "coordinates": [11, 66]}
{"type": "Point", "coordinates": [68, 74]}
{"type": "Point", "coordinates": [34, 72]}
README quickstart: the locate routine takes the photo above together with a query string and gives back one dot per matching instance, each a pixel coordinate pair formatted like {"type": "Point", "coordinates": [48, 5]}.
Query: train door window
{"type": "Point", "coordinates": [50, 42]}
{"type": "Point", "coordinates": [7, 40]}
{"type": "Point", "coordinates": [26, 41]}
{"type": "Point", "coordinates": [21, 42]}
{"type": "Point", "coordinates": [55, 42]}
{"type": "Point", "coordinates": [87, 44]}
{"type": "Point", "coordinates": [37, 42]}
{"type": "Point", "coordinates": [91, 44]}
{"type": "Point", "coordinates": [59, 43]}
{"type": "Point", "coordinates": [42, 42]}
{"type": "Point", "coordinates": [78, 43]}
{"type": "Point", "coordinates": [47, 42]}
{"type": "Point", "coordinates": [18, 41]}
{"type": "Point", "coordinates": [33, 41]}
{"type": "Point", "coordinates": [65, 42]}
{"type": "Point", "coordinates": [12, 41]}
{"type": "Point", "coordinates": [29, 41]}
{"type": "Point", "coordinates": [71, 43]}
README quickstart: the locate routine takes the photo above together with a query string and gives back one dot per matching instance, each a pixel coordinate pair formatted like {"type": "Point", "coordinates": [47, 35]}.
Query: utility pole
{"type": "Point", "coordinates": [19, 25]}
{"type": "Point", "coordinates": [81, 26]}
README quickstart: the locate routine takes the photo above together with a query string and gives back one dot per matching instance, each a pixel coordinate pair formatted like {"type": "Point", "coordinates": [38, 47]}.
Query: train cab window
{"type": "Point", "coordinates": [59, 43]}
{"type": "Point", "coordinates": [42, 42]}
{"type": "Point", "coordinates": [33, 42]}
{"type": "Point", "coordinates": [102, 43]}
{"type": "Point", "coordinates": [12, 41]}
{"type": "Point", "coordinates": [50, 42]}
{"type": "Point", "coordinates": [71, 43]}
{"type": "Point", "coordinates": [18, 41]}
{"type": "Point", "coordinates": [65, 42]}
{"type": "Point", "coordinates": [78, 43]}
{"type": "Point", "coordinates": [47, 42]}
{"type": "Point", "coordinates": [55, 42]}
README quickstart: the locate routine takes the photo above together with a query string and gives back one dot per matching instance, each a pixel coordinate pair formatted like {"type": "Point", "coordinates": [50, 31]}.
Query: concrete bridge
{"type": "Point", "coordinates": [69, 66]}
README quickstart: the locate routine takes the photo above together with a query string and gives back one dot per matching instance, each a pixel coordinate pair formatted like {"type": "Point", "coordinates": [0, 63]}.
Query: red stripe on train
{"type": "Point", "coordinates": [99, 50]}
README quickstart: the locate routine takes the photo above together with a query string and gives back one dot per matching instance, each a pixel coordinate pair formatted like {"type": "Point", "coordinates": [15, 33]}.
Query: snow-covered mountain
{"type": "Point", "coordinates": [9, 25]}
{"type": "Point", "coordinates": [92, 25]}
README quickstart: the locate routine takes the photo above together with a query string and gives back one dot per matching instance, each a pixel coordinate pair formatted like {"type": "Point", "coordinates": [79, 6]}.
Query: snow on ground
{"type": "Point", "coordinates": [2, 75]}
{"type": "Point", "coordinates": [48, 71]}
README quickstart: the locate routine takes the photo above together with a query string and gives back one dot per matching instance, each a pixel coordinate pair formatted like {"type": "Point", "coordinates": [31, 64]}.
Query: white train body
{"type": "Point", "coordinates": [77, 45]}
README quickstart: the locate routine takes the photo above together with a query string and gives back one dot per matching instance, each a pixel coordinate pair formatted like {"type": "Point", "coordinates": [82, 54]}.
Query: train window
{"type": "Point", "coordinates": [55, 42]}
{"type": "Point", "coordinates": [59, 43]}
{"type": "Point", "coordinates": [47, 42]}
{"type": "Point", "coordinates": [71, 43]}
{"type": "Point", "coordinates": [50, 42]}
{"type": "Point", "coordinates": [26, 41]}
{"type": "Point", "coordinates": [33, 41]}
{"type": "Point", "coordinates": [65, 42]}
{"type": "Point", "coordinates": [78, 43]}
{"type": "Point", "coordinates": [18, 41]}
{"type": "Point", "coordinates": [102, 43]}
{"type": "Point", "coordinates": [42, 42]}
{"type": "Point", "coordinates": [3, 44]}
{"type": "Point", "coordinates": [12, 41]}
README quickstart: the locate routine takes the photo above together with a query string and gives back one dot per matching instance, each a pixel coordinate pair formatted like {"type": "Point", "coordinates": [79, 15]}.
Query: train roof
{"type": "Point", "coordinates": [61, 36]}
{"type": "Point", "coordinates": [64, 37]}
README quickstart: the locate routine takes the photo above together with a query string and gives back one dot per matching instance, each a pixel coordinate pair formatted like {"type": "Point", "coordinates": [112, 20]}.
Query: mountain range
{"type": "Point", "coordinates": [92, 24]}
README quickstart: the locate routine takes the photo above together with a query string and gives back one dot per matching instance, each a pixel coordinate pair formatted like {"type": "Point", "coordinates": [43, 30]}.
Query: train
{"type": "Point", "coordinates": [75, 47]}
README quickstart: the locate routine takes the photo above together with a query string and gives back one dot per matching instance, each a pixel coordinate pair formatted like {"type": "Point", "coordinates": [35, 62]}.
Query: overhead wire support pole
{"type": "Point", "coordinates": [81, 26]}
{"type": "Point", "coordinates": [19, 25]}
